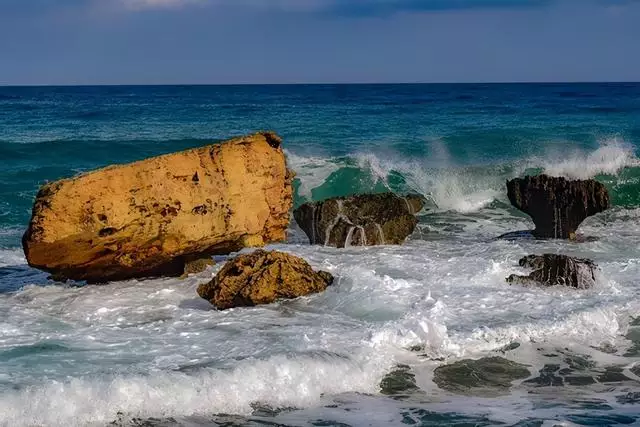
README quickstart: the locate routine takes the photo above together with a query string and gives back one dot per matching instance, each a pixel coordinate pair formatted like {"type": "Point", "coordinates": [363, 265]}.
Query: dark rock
{"type": "Point", "coordinates": [492, 374]}
{"type": "Point", "coordinates": [613, 374]}
{"type": "Point", "coordinates": [399, 382]}
{"type": "Point", "coordinates": [549, 377]}
{"type": "Point", "coordinates": [368, 219]}
{"type": "Point", "coordinates": [579, 380]}
{"type": "Point", "coordinates": [579, 363]}
{"type": "Point", "coordinates": [511, 346]}
{"type": "Point", "coordinates": [554, 269]}
{"type": "Point", "coordinates": [631, 398]}
{"type": "Point", "coordinates": [263, 277]}
{"type": "Point", "coordinates": [517, 235]}
{"type": "Point", "coordinates": [557, 205]}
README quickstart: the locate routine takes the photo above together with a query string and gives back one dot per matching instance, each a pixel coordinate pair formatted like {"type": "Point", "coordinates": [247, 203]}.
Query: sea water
{"type": "Point", "coordinates": [151, 352]}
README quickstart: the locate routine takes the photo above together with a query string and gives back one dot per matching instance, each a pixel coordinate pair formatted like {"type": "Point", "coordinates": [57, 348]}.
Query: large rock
{"type": "Point", "coordinates": [147, 218]}
{"type": "Point", "coordinates": [262, 278]}
{"type": "Point", "coordinates": [556, 270]}
{"type": "Point", "coordinates": [557, 205]}
{"type": "Point", "coordinates": [368, 219]}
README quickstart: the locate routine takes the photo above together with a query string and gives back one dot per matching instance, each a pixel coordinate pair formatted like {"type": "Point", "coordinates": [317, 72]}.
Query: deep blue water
{"type": "Point", "coordinates": [76, 356]}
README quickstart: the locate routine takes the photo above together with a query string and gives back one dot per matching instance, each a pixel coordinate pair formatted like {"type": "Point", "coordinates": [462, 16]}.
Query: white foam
{"type": "Point", "coordinates": [73, 356]}
{"type": "Point", "coordinates": [279, 381]}
{"type": "Point", "coordinates": [610, 158]}
{"type": "Point", "coordinates": [449, 187]}
{"type": "Point", "coordinates": [9, 257]}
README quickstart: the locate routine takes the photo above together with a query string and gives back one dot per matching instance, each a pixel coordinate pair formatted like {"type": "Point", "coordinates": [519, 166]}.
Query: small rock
{"type": "Point", "coordinates": [554, 270]}
{"type": "Point", "coordinates": [549, 377]}
{"type": "Point", "coordinates": [614, 374]}
{"type": "Point", "coordinates": [263, 277]}
{"type": "Point", "coordinates": [493, 374]}
{"type": "Point", "coordinates": [363, 220]}
{"type": "Point", "coordinates": [557, 205]}
{"type": "Point", "coordinates": [399, 382]}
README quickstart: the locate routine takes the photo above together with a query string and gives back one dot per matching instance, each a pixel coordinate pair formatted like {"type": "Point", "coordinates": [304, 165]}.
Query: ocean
{"type": "Point", "coordinates": [363, 353]}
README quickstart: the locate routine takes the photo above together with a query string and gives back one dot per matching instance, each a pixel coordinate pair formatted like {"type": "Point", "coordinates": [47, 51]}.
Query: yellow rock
{"type": "Point", "coordinates": [263, 277]}
{"type": "Point", "coordinates": [145, 218]}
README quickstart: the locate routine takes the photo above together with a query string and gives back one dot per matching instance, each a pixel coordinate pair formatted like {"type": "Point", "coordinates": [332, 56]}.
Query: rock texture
{"type": "Point", "coordinates": [556, 270]}
{"type": "Point", "coordinates": [146, 218]}
{"type": "Point", "coordinates": [486, 376]}
{"type": "Point", "coordinates": [363, 220]}
{"type": "Point", "coordinates": [262, 278]}
{"type": "Point", "coordinates": [557, 205]}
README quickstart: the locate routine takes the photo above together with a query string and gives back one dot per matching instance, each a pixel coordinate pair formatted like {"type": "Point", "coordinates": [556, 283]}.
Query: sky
{"type": "Point", "coordinates": [49, 42]}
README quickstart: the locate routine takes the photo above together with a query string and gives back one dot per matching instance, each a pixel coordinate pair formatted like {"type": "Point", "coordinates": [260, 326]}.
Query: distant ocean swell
{"type": "Point", "coordinates": [451, 187]}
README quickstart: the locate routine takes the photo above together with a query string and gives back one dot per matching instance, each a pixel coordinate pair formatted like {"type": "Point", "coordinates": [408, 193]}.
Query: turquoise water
{"type": "Point", "coordinates": [152, 349]}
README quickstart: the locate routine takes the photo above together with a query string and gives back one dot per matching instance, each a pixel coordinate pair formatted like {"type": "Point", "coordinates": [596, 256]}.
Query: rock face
{"type": "Point", "coordinates": [486, 376]}
{"type": "Point", "coordinates": [262, 278]}
{"type": "Point", "coordinates": [556, 205]}
{"type": "Point", "coordinates": [147, 218]}
{"type": "Point", "coordinates": [368, 219]}
{"type": "Point", "coordinates": [554, 270]}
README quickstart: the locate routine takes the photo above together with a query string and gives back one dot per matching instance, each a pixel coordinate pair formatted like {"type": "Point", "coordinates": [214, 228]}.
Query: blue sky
{"type": "Point", "coordinates": [311, 41]}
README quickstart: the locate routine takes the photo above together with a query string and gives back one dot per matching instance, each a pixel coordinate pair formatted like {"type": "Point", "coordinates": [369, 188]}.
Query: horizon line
{"type": "Point", "coordinates": [533, 82]}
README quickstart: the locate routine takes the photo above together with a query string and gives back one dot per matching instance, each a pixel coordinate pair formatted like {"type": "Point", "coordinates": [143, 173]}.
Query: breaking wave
{"type": "Point", "coordinates": [450, 186]}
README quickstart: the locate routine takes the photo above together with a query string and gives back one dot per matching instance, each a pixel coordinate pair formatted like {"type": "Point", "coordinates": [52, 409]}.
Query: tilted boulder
{"type": "Point", "coordinates": [263, 277]}
{"type": "Point", "coordinates": [556, 270]}
{"type": "Point", "coordinates": [363, 220]}
{"type": "Point", "coordinates": [557, 205]}
{"type": "Point", "coordinates": [150, 217]}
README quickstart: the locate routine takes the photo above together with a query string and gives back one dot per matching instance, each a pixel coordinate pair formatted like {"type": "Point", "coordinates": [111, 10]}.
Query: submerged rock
{"type": "Point", "coordinates": [147, 218]}
{"type": "Point", "coordinates": [556, 270]}
{"type": "Point", "coordinates": [263, 277]}
{"type": "Point", "coordinates": [489, 375]}
{"type": "Point", "coordinates": [399, 383]}
{"type": "Point", "coordinates": [363, 220]}
{"type": "Point", "coordinates": [557, 205]}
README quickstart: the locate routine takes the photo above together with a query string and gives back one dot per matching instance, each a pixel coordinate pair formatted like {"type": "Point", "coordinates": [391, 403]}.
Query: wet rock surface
{"type": "Point", "coordinates": [556, 270]}
{"type": "Point", "coordinates": [486, 376]}
{"type": "Point", "coordinates": [570, 369]}
{"type": "Point", "coordinates": [399, 383]}
{"type": "Point", "coordinates": [557, 205]}
{"type": "Point", "coordinates": [148, 218]}
{"type": "Point", "coordinates": [263, 277]}
{"type": "Point", "coordinates": [363, 220]}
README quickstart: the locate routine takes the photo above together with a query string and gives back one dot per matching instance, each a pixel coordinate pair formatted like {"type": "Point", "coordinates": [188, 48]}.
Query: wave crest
{"type": "Point", "coordinates": [450, 186]}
